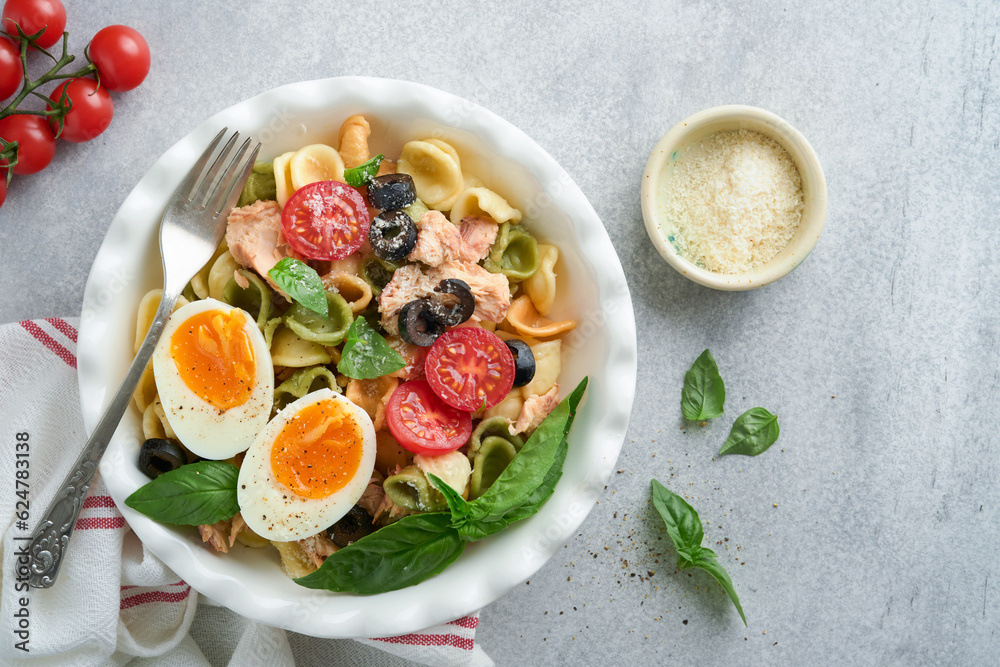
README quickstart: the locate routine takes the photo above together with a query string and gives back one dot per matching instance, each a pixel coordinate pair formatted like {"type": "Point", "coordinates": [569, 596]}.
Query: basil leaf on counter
{"type": "Point", "coordinates": [704, 393]}
{"type": "Point", "coordinates": [193, 495]}
{"type": "Point", "coordinates": [685, 531]}
{"type": "Point", "coordinates": [301, 282]}
{"type": "Point", "coordinates": [360, 175]}
{"type": "Point", "coordinates": [366, 354]}
{"type": "Point", "coordinates": [401, 554]}
{"type": "Point", "coordinates": [753, 432]}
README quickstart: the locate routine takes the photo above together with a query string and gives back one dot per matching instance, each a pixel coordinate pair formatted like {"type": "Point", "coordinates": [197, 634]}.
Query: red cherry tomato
{"type": "Point", "coordinates": [422, 424]}
{"type": "Point", "coordinates": [3, 186]}
{"type": "Point", "coordinates": [469, 367]}
{"type": "Point", "coordinates": [91, 112]}
{"type": "Point", "coordinates": [11, 70]}
{"type": "Point", "coordinates": [121, 55]}
{"type": "Point", "coordinates": [36, 143]}
{"type": "Point", "coordinates": [35, 15]}
{"type": "Point", "coordinates": [326, 220]}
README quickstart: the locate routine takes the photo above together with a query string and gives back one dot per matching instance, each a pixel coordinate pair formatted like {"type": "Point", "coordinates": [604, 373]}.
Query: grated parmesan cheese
{"type": "Point", "coordinates": [734, 201]}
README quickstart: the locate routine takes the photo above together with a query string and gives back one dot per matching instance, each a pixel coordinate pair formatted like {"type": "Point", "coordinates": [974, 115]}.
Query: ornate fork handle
{"type": "Point", "coordinates": [51, 537]}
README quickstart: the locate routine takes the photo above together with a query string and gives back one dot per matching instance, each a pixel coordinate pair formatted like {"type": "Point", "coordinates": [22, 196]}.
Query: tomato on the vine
{"type": "Point", "coordinates": [36, 143]}
{"type": "Point", "coordinates": [121, 55]}
{"type": "Point", "coordinates": [35, 15]}
{"type": "Point", "coordinates": [91, 112]}
{"type": "Point", "coordinates": [3, 186]}
{"type": "Point", "coordinates": [11, 69]}
{"type": "Point", "coordinates": [469, 368]}
{"type": "Point", "coordinates": [422, 423]}
{"type": "Point", "coordinates": [325, 220]}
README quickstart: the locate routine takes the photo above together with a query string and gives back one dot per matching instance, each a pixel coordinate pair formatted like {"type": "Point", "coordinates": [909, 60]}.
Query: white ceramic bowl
{"type": "Point", "coordinates": [593, 290]}
{"type": "Point", "coordinates": [724, 119]}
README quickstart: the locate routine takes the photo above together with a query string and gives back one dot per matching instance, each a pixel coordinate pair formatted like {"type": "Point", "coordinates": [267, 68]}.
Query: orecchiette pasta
{"type": "Point", "coordinates": [313, 327]}
{"type": "Point", "coordinates": [147, 311]}
{"type": "Point", "coordinates": [492, 458]}
{"type": "Point", "coordinates": [288, 349]}
{"type": "Point", "coordinates": [354, 135]}
{"type": "Point", "coordinates": [352, 288]}
{"type": "Point", "coordinates": [541, 285]}
{"type": "Point", "coordinates": [436, 173]}
{"type": "Point", "coordinates": [317, 162]}
{"type": "Point", "coordinates": [152, 427]}
{"type": "Point", "coordinates": [482, 202]}
{"type": "Point", "coordinates": [514, 253]}
{"type": "Point", "coordinates": [526, 320]}
{"type": "Point", "coordinates": [548, 364]}
{"type": "Point", "coordinates": [255, 298]}
{"type": "Point", "coordinates": [199, 283]}
{"type": "Point", "coordinates": [283, 187]}
{"type": "Point", "coordinates": [452, 468]}
{"type": "Point", "coordinates": [390, 454]}
{"type": "Point", "coordinates": [294, 561]}
{"type": "Point", "coordinates": [372, 396]}
{"type": "Point", "coordinates": [302, 382]}
{"type": "Point", "coordinates": [410, 489]}
{"type": "Point", "coordinates": [509, 408]}
{"type": "Point", "coordinates": [220, 274]}
{"type": "Point", "coordinates": [145, 391]}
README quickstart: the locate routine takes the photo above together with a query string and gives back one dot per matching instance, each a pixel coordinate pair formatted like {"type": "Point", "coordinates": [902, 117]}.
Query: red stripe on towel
{"type": "Point", "coordinates": [49, 342]}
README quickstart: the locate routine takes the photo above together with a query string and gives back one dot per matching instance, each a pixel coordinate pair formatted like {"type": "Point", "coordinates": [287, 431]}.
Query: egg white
{"type": "Point", "coordinates": [199, 425]}
{"type": "Point", "coordinates": [274, 511]}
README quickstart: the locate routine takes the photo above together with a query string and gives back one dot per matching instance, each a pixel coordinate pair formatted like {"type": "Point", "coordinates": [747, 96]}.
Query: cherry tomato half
{"type": "Point", "coordinates": [36, 143]}
{"type": "Point", "coordinates": [468, 367]}
{"type": "Point", "coordinates": [326, 220]}
{"type": "Point", "coordinates": [121, 55]}
{"type": "Point", "coordinates": [35, 15]}
{"type": "Point", "coordinates": [422, 424]}
{"type": "Point", "coordinates": [11, 70]}
{"type": "Point", "coordinates": [91, 112]}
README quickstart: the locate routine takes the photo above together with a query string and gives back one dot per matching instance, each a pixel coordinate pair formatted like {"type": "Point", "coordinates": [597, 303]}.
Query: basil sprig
{"type": "Point", "coordinates": [685, 531]}
{"type": "Point", "coordinates": [753, 432]}
{"type": "Point", "coordinates": [421, 545]}
{"type": "Point", "coordinates": [704, 393]}
{"type": "Point", "coordinates": [301, 282]}
{"type": "Point", "coordinates": [193, 495]}
{"type": "Point", "coordinates": [366, 354]}
{"type": "Point", "coordinates": [360, 175]}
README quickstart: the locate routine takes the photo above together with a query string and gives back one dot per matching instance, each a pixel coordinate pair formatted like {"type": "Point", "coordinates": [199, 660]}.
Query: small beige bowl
{"type": "Point", "coordinates": [728, 118]}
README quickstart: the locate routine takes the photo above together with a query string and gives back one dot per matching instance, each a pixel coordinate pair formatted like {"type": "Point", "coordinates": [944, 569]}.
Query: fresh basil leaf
{"type": "Point", "coordinates": [534, 502]}
{"type": "Point", "coordinates": [401, 554]}
{"type": "Point", "coordinates": [705, 559]}
{"type": "Point", "coordinates": [366, 354]}
{"type": "Point", "coordinates": [193, 495]}
{"type": "Point", "coordinates": [527, 471]}
{"type": "Point", "coordinates": [301, 282]}
{"type": "Point", "coordinates": [360, 175]}
{"type": "Point", "coordinates": [683, 524]}
{"type": "Point", "coordinates": [753, 432]}
{"type": "Point", "coordinates": [704, 393]}
{"type": "Point", "coordinates": [458, 505]}
{"type": "Point", "coordinates": [685, 531]}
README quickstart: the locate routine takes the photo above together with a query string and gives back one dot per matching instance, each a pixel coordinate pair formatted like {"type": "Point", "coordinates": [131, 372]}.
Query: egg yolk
{"type": "Point", "coordinates": [214, 357]}
{"type": "Point", "coordinates": [318, 451]}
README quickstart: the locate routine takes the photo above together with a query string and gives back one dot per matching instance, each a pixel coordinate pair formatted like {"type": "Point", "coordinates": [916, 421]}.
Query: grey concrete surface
{"type": "Point", "coordinates": [868, 534]}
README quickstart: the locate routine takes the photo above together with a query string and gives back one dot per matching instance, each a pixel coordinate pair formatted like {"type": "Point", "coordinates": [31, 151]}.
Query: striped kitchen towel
{"type": "Point", "coordinates": [115, 601]}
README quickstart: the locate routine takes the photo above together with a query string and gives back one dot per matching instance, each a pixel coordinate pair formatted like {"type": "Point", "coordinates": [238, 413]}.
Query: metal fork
{"type": "Point", "coordinates": [190, 232]}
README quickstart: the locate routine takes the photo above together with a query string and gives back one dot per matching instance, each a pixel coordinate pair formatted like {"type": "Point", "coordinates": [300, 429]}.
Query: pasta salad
{"type": "Point", "coordinates": [364, 377]}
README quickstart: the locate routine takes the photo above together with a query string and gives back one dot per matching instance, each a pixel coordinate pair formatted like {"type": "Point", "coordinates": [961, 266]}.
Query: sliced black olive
{"type": "Point", "coordinates": [352, 527]}
{"type": "Point", "coordinates": [392, 235]}
{"type": "Point", "coordinates": [524, 361]}
{"type": "Point", "coordinates": [451, 316]}
{"type": "Point", "coordinates": [157, 456]}
{"type": "Point", "coordinates": [391, 191]}
{"type": "Point", "coordinates": [419, 324]}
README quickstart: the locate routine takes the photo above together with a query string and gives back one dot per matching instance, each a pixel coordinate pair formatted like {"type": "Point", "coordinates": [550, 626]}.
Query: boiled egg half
{"type": "Point", "coordinates": [214, 377]}
{"type": "Point", "coordinates": [307, 468]}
